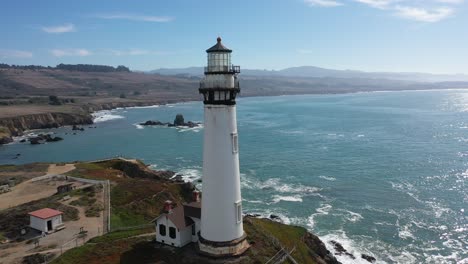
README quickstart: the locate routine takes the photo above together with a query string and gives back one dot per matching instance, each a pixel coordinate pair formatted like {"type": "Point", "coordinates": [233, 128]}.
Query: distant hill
{"type": "Point", "coordinates": [317, 72]}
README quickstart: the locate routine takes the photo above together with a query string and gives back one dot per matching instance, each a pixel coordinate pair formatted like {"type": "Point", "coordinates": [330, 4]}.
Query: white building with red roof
{"type": "Point", "coordinates": [46, 220]}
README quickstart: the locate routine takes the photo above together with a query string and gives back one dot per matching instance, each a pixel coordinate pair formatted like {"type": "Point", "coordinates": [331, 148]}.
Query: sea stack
{"type": "Point", "coordinates": [222, 233]}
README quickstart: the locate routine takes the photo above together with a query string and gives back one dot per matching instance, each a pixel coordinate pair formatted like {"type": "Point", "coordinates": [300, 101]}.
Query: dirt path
{"type": "Point", "coordinates": [66, 237]}
{"type": "Point", "coordinates": [30, 191]}
{"type": "Point", "coordinates": [54, 169]}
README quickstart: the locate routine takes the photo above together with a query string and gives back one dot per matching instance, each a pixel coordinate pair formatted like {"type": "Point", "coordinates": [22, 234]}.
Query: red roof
{"type": "Point", "coordinates": [45, 213]}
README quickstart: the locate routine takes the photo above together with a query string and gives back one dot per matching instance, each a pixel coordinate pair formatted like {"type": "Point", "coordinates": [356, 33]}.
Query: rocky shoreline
{"type": "Point", "coordinates": [16, 126]}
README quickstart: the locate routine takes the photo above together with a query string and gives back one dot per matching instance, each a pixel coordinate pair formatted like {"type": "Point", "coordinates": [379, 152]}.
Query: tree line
{"type": "Point", "coordinates": [69, 67]}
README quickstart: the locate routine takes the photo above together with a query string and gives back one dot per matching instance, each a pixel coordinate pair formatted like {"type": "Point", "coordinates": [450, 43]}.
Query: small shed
{"type": "Point", "coordinates": [46, 220]}
{"type": "Point", "coordinates": [65, 188]}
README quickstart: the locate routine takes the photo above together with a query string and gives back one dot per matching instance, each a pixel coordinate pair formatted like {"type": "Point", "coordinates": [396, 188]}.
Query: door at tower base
{"type": "Point", "coordinates": [220, 249]}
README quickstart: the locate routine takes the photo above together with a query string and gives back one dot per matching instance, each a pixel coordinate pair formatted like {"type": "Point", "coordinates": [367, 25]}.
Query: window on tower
{"type": "Point", "coordinates": [238, 207]}
{"type": "Point", "coordinates": [235, 143]}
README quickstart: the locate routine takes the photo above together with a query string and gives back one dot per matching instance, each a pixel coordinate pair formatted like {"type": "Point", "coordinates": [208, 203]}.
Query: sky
{"type": "Point", "coordinates": [370, 35]}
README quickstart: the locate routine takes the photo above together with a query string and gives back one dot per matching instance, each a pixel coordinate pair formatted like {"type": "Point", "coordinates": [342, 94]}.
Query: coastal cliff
{"type": "Point", "coordinates": [15, 126]}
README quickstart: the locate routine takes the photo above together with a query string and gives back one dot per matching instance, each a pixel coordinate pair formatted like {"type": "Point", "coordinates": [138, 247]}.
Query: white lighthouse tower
{"type": "Point", "coordinates": [222, 232]}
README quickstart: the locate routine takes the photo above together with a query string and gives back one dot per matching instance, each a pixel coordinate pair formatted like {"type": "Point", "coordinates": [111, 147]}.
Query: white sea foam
{"type": "Point", "coordinates": [144, 107]}
{"type": "Point", "coordinates": [252, 201]}
{"type": "Point", "coordinates": [405, 232]}
{"type": "Point", "coordinates": [105, 115]}
{"type": "Point", "coordinates": [278, 198]}
{"type": "Point", "coordinates": [324, 210]}
{"type": "Point", "coordinates": [328, 178]}
{"type": "Point", "coordinates": [190, 129]}
{"type": "Point", "coordinates": [353, 217]}
{"type": "Point", "coordinates": [292, 132]}
{"type": "Point", "coordinates": [351, 247]}
{"type": "Point", "coordinates": [190, 174]}
{"type": "Point", "coordinates": [276, 185]}
{"type": "Point", "coordinates": [138, 126]}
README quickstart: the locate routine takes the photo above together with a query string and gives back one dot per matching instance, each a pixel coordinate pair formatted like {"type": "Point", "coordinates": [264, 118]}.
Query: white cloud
{"type": "Point", "coordinates": [428, 11]}
{"type": "Point", "coordinates": [451, 1]}
{"type": "Point", "coordinates": [70, 52]}
{"type": "Point", "coordinates": [324, 3]}
{"type": "Point", "coordinates": [422, 14]}
{"type": "Point", "coordinates": [135, 17]}
{"type": "Point", "coordinates": [382, 4]}
{"type": "Point", "coordinates": [6, 53]}
{"type": "Point", "coordinates": [59, 29]}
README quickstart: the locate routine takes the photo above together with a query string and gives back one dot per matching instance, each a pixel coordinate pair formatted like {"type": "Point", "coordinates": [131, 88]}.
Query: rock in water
{"type": "Point", "coordinates": [75, 127]}
{"type": "Point", "coordinates": [152, 123]}
{"type": "Point", "coordinates": [274, 217]}
{"type": "Point", "coordinates": [179, 120]}
{"type": "Point", "coordinates": [340, 250]}
{"type": "Point", "coordinates": [371, 259]}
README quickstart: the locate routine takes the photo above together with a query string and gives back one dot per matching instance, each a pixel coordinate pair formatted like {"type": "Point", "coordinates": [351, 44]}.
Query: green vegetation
{"type": "Point", "coordinates": [53, 100]}
{"type": "Point", "coordinates": [105, 249]}
{"type": "Point", "coordinates": [88, 201]}
{"type": "Point", "coordinates": [117, 235]}
{"type": "Point", "coordinates": [137, 193]}
{"type": "Point", "coordinates": [94, 210]}
{"type": "Point", "coordinates": [20, 173]}
{"type": "Point", "coordinates": [69, 67]}
{"type": "Point", "coordinates": [265, 236]}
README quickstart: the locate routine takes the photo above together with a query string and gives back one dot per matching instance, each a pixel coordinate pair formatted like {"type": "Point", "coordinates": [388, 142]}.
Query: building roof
{"type": "Point", "coordinates": [45, 213]}
{"type": "Point", "coordinates": [180, 216]}
{"type": "Point", "coordinates": [219, 47]}
{"type": "Point", "coordinates": [193, 209]}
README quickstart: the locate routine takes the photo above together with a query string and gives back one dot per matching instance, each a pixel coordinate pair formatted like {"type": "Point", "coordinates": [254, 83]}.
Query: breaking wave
{"type": "Point", "coordinates": [105, 115]}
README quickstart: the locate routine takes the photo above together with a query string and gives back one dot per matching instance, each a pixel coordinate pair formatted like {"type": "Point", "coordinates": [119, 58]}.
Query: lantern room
{"type": "Point", "coordinates": [219, 59]}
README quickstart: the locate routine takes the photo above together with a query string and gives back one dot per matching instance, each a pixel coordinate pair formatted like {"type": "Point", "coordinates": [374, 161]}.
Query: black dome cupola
{"type": "Point", "coordinates": [219, 47]}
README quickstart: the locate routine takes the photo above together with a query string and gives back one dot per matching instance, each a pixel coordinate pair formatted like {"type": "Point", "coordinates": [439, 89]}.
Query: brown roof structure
{"type": "Point", "coordinates": [193, 209]}
{"type": "Point", "coordinates": [180, 215]}
{"type": "Point", "coordinates": [219, 47]}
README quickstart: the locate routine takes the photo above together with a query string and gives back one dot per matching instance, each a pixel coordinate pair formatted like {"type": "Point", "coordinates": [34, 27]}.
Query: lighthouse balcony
{"type": "Point", "coordinates": [221, 69]}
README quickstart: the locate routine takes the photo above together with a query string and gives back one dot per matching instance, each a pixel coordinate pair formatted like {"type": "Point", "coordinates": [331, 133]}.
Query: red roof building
{"type": "Point", "coordinates": [46, 220]}
{"type": "Point", "coordinates": [45, 213]}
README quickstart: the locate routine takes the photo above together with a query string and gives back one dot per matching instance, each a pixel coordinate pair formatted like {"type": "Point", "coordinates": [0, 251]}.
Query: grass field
{"type": "Point", "coordinates": [266, 238]}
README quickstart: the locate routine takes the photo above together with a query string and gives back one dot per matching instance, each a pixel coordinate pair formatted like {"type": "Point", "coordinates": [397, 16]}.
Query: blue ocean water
{"type": "Point", "coordinates": [382, 173]}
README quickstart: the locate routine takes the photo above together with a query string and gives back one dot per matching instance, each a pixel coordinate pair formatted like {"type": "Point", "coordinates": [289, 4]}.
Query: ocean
{"type": "Point", "coordinates": [382, 173]}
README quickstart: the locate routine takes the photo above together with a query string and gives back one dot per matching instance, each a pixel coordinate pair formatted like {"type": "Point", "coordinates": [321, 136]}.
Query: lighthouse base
{"type": "Point", "coordinates": [231, 248]}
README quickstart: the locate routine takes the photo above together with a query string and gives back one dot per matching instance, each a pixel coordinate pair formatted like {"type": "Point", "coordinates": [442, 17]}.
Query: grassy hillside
{"type": "Point", "coordinates": [265, 236]}
{"type": "Point", "coordinates": [29, 87]}
{"type": "Point", "coordinates": [137, 193]}
{"type": "Point", "coordinates": [137, 196]}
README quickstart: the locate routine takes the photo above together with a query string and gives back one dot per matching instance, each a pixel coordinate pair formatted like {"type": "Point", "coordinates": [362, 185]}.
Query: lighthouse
{"type": "Point", "coordinates": [222, 232]}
